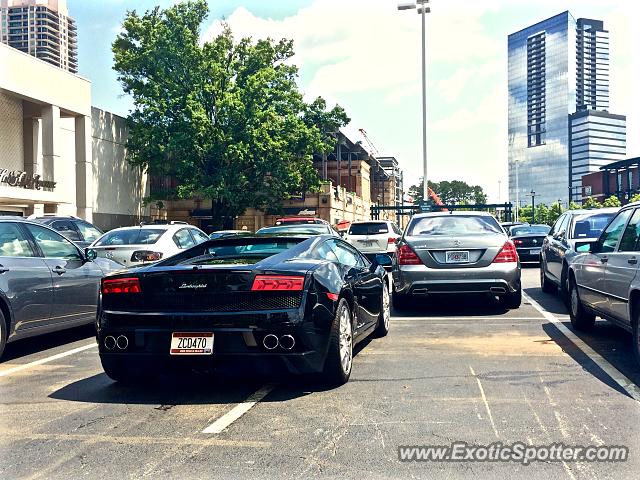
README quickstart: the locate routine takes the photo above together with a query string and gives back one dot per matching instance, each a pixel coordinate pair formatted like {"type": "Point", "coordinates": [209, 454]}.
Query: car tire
{"type": "Point", "coordinates": [545, 284]}
{"type": "Point", "coordinates": [564, 286]}
{"type": "Point", "coordinates": [339, 361]}
{"type": "Point", "coordinates": [636, 336]}
{"type": "Point", "coordinates": [382, 329]}
{"type": "Point", "coordinates": [581, 319]}
{"type": "Point", "coordinates": [512, 300]}
{"type": "Point", "coordinates": [400, 301]}
{"type": "Point", "coordinates": [3, 333]}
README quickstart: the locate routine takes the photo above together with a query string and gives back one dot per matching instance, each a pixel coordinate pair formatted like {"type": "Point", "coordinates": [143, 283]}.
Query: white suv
{"type": "Point", "coordinates": [374, 237]}
{"type": "Point", "coordinates": [150, 242]}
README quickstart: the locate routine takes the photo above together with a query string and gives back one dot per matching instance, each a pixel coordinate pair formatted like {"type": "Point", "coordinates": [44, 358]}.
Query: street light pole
{"type": "Point", "coordinates": [422, 10]}
{"type": "Point", "coordinates": [533, 206]}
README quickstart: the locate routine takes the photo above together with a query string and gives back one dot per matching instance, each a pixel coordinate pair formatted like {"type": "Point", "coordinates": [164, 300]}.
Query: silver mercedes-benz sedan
{"type": "Point", "coordinates": [455, 253]}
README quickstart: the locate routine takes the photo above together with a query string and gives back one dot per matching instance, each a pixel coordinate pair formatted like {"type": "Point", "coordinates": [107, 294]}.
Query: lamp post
{"type": "Point", "coordinates": [533, 206]}
{"type": "Point", "coordinates": [422, 9]}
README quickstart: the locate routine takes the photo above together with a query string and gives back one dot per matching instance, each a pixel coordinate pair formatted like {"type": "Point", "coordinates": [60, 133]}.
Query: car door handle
{"type": "Point", "coordinates": [59, 270]}
{"type": "Point", "coordinates": [632, 261]}
{"type": "Point", "coordinates": [604, 259]}
{"type": "Point", "coordinates": [3, 269]}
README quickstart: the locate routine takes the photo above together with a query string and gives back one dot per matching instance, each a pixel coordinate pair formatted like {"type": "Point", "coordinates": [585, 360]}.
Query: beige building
{"type": "Point", "coordinates": [57, 153]}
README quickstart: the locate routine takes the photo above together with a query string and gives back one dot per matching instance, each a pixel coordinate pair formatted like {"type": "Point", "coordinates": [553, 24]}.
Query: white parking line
{"type": "Point", "coordinates": [239, 410]}
{"type": "Point", "coordinates": [615, 374]}
{"type": "Point", "coordinates": [19, 368]}
{"type": "Point", "coordinates": [486, 402]}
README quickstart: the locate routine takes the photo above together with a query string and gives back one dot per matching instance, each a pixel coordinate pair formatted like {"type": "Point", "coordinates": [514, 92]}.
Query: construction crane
{"type": "Point", "coordinates": [373, 151]}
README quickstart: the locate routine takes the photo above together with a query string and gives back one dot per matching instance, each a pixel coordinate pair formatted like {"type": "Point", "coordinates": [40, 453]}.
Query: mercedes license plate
{"type": "Point", "coordinates": [457, 257]}
{"type": "Point", "coordinates": [191, 343]}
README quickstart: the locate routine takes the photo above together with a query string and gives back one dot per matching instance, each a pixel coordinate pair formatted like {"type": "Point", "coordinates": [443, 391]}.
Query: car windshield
{"type": "Point", "coordinates": [590, 225]}
{"type": "Point", "coordinates": [130, 236]}
{"type": "Point", "coordinates": [530, 229]}
{"type": "Point", "coordinates": [453, 225]}
{"type": "Point", "coordinates": [310, 229]}
{"type": "Point", "coordinates": [297, 221]}
{"type": "Point", "coordinates": [368, 228]}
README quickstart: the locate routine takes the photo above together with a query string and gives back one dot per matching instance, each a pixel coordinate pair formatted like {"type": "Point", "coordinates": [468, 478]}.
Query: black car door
{"type": "Point", "coordinates": [76, 282]}
{"type": "Point", "coordinates": [25, 279]}
{"type": "Point", "coordinates": [556, 251]}
{"type": "Point", "coordinates": [365, 284]}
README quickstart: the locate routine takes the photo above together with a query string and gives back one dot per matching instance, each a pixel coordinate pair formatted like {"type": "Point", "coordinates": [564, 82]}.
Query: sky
{"type": "Point", "coordinates": [365, 56]}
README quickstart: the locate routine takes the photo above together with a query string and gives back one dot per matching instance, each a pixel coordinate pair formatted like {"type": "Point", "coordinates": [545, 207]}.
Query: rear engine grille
{"type": "Point", "coordinates": [209, 302]}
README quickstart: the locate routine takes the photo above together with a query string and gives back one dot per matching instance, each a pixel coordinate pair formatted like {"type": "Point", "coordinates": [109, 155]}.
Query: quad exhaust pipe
{"type": "Point", "coordinates": [110, 342]}
{"type": "Point", "coordinates": [271, 342]}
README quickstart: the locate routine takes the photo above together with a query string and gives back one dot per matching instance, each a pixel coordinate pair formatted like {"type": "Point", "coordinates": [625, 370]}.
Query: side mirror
{"type": "Point", "coordinates": [584, 247]}
{"type": "Point", "coordinates": [90, 254]}
{"type": "Point", "coordinates": [383, 260]}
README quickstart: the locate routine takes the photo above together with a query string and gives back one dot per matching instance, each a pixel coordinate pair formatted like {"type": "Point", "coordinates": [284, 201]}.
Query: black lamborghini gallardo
{"type": "Point", "coordinates": [271, 301]}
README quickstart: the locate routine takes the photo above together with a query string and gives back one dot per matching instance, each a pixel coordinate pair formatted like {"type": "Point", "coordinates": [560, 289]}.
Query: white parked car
{"type": "Point", "coordinates": [374, 237]}
{"type": "Point", "coordinates": [133, 246]}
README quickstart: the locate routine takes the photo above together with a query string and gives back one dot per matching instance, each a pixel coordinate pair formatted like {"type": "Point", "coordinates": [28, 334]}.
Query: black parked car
{"type": "Point", "coordinates": [79, 231]}
{"type": "Point", "coordinates": [558, 247]}
{"type": "Point", "coordinates": [528, 240]}
{"type": "Point", "coordinates": [298, 301]}
{"type": "Point", "coordinates": [46, 282]}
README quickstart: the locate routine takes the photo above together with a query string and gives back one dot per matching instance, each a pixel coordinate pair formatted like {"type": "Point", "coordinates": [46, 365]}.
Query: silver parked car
{"type": "Point", "coordinates": [604, 280]}
{"type": "Point", "coordinates": [459, 253]}
{"type": "Point", "coordinates": [46, 282]}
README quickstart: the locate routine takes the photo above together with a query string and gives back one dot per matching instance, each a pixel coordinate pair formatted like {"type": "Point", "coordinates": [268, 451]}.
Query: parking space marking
{"type": "Point", "coordinates": [35, 363]}
{"type": "Point", "coordinates": [616, 375]}
{"type": "Point", "coordinates": [239, 410]}
{"type": "Point", "coordinates": [484, 399]}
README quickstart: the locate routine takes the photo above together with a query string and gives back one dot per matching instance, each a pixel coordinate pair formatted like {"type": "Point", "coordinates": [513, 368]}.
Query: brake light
{"type": "Point", "coordinates": [332, 296]}
{"type": "Point", "coordinates": [145, 256]}
{"type": "Point", "coordinates": [391, 240]}
{"type": "Point", "coordinates": [406, 256]}
{"type": "Point", "coordinates": [507, 253]}
{"type": "Point", "coordinates": [121, 285]}
{"type": "Point", "coordinates": [277, 283]}
{"type": "Point", "coordinates": [518, 242]}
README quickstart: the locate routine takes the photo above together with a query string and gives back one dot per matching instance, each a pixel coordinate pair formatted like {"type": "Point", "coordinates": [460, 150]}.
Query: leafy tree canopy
{"type": "Point", "coordinates": [455, 192]}
{"type": "Point", "coordinates": [591, 202]}
{"type": "Point", "coordinates": [223, 118]}
{"type": "Point", "coordinates": [612, 201]}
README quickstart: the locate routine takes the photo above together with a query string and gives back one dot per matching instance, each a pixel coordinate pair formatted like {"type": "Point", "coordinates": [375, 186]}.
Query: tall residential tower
{"type": "Point", "coordinates": [558, 67]}
{"type": "Point", "coordinates": [41, 28]}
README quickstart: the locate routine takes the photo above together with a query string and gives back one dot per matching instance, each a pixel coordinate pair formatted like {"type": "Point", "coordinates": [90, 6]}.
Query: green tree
{"type": "Point", "coordinates": [524, 214]}
{"type": "Point", "coordinates": [574, 206]}
{"type": "Point", "coordinates": [455, 192]}
{"type": "Point", "coordinates": [224, 118]}
{"type": "Point", "coordinates": [635, 198]}
{"type": "Point", "coordinates": [554, 213]}
{"type": "Point", "coordinates": [612, 201]}
{"type": "Point", "coordinates": [542, 214]}
{"type": "Point", "coordinates": [591, 202]}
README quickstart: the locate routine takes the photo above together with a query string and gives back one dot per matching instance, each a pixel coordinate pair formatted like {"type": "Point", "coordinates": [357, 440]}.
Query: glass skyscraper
{"type": "Point", "coordinates": [542, 94]}
{"type": "Point", "coordinates": [559, 125]}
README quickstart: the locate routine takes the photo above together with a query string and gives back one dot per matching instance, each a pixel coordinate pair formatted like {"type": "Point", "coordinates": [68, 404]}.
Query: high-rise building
{"type": "Point", "coordinates": [558, 67]}
{"type": "Point", "coordinates": [41, 28]}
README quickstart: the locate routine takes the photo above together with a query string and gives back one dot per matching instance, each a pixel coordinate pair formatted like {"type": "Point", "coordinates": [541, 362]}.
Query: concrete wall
{"type": "Point", "coordinates": [118, 188]}
{"type": "Point", "coordinates": [11, 143]}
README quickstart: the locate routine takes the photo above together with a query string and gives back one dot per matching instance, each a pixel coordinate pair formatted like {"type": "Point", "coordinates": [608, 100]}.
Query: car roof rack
{"type": "Point", "coordinates": [164, 222]}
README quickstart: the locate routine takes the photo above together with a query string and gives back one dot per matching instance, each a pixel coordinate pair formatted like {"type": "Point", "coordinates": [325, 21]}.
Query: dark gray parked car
{"type": "Point", "coordinates": [79, 231]}
{"type": "Point", "coordinates": [46, 282]}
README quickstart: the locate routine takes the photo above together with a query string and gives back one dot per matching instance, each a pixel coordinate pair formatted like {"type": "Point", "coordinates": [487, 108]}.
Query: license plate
{"type": "Point", "coordinates": [457, 257]}
{"type": "Point", "coordinates": [534, 251]}
{"type": "Point", "coordinates": [191, 343]}
{"type": "Point", "coordinates": [368, 243]}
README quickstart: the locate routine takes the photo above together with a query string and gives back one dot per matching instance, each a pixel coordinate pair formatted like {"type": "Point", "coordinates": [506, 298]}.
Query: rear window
{"type": "Point", "coordinates": [590, 225]}
{"type": "Point", "coordinates": [368, 228]}
{"type": "Point", "coordinates": [531, 229]}
{"type": "Point", "coordinates": [297, 221]}
{"type": "Point", "coordinates": [133, 236]}
{"type": "Point", "coordinates": [230, 252]}
{"type": "Point", "coordinates": [454, 225]}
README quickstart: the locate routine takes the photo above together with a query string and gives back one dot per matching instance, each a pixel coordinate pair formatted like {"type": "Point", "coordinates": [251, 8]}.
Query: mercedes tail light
{"type": "Point", "coordinates": [145, 256]}
{"type": "Point", "coordinates": [507, 254]}
{"type": "Point", "coordinates": [121, 285]}
{"type": "Point", "coordinates": [272, 283]}
{"type": "Point", "coordinates": [406, 256]}
{"type": "Point", "coordinates": [391, 240]}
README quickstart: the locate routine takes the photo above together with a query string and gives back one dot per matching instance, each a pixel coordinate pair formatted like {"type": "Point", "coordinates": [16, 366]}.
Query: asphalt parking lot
{"type": "Point", "coordinates": [461, 370]}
